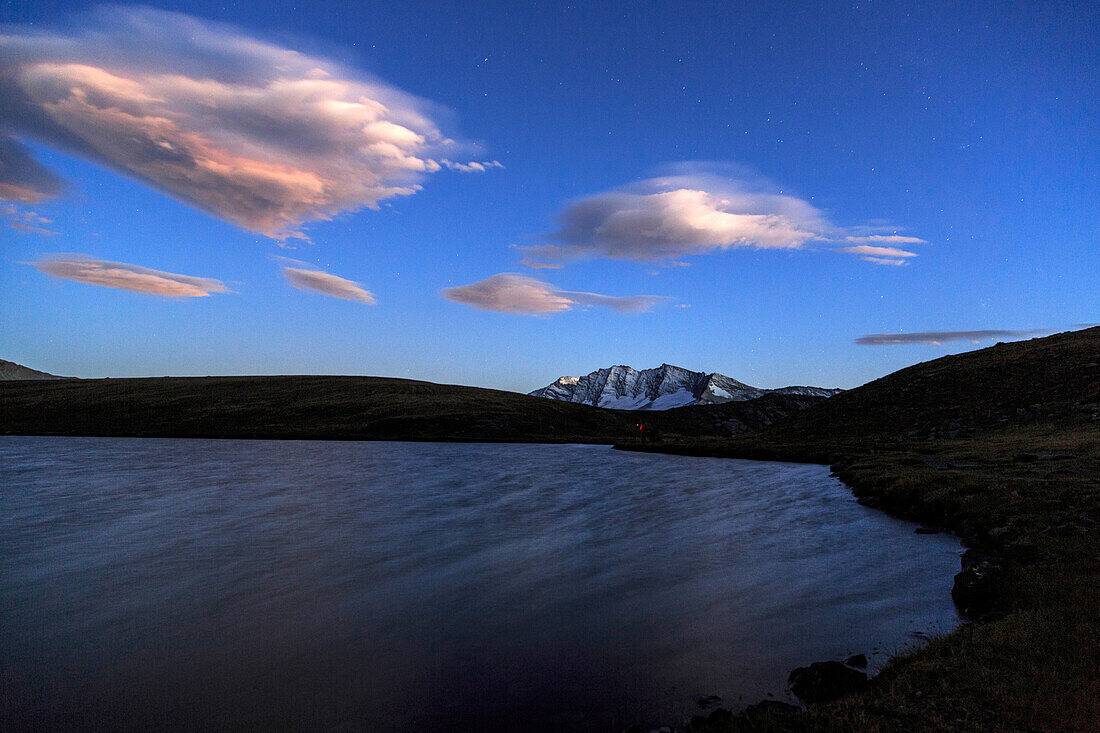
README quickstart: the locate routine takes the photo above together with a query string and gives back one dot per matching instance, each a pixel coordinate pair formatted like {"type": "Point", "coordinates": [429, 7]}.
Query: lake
{"type": "Point", "coordinates": [153, 584]}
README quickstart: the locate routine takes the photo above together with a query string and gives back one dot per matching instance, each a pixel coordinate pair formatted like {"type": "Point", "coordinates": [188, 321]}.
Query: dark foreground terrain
{"type": "Point", "coordinates": [1000, 446]}
{"type": "Point", "coordinates": [348, 408]}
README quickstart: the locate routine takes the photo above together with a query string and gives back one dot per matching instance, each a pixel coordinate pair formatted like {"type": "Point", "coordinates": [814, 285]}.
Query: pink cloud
{"type": "Point", "coordinates": [122, 276]}
{"type": "Point", "coordinates": [885, 261]}
{"type": "Point", "coordinates": [25, 221]}
{"type": "Point", "coordinates": [327, 284]}
{"type": "Point", "coordinates": [23, 179]}
{"type": "Point", "coordinates": [260, 135]}
{"type": "Point", "coordinates": [699, 209]}
{"type": "Point", "coordinates": [511, 293]}
{"type": "Point", "coordinates": [887, 239]}
{"type": "Point", "coordinates": [869, 251]}
{"type": "Point", "coordinates": [674, 216]}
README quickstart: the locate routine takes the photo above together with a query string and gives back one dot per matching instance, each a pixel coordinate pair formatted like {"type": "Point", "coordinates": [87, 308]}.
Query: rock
{"type": "Point", "coordinates": [926, 530]}
{"type": "Point", "coordinates": [825, 681]}
{"type": "Point", "coordinates": [858, 660]}
{"type": "Point", "coordinates": [976, 587]}
{"type": "Point", "coordinates": [718, 720]}
{"type": "Point", "coordinates": [721, 716]}
{"type": "Point", "coordinates": [708, 701]}
{"type": "Point", "coordinates": [997, 533]}
{"type": "Point", "coordinates": [770, 710]}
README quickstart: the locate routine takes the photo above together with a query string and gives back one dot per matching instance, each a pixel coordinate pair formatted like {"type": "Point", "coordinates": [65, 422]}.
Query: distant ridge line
{"type": "Point", "coordinates": [665, 387]}
{"type": "Point", "coordinates": [9, 370]}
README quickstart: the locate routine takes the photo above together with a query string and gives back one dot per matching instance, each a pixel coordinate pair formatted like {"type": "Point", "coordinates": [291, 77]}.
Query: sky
{"type": "Point", "coordinates": [499, 194]}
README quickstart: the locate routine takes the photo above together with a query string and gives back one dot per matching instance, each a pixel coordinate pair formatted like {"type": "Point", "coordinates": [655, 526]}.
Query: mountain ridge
{"type": "Point", "coordinates": [347, 408]}
{"type": "Point", "coordinates": [621, 387]}
{"type": "Point", "coordinates": [10, 371]}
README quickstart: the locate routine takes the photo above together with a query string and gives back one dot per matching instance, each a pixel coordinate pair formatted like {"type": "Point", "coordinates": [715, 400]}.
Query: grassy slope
{"type": "Point", "coordinates": [11, 370]}
{"type": "Point", "coordinates": [351, 408]}
{"type": "Point", "coordinates": [1023, 460]}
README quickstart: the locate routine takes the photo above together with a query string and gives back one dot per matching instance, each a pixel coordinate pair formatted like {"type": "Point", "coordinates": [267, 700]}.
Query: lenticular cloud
{"type": "Point", "coordinates": [262, 136]}
{"type": "Point", "coordinates": [935, 338]}
{"type": "Point", "coordinates": [124, 276]}
{"type": "Point", "coordinates": [696, 211]}
{"type": "Point", "coordinates": [674, 216]}
{"type": "Point", "coordinates": [328, 284]}
{"type": "Point", "coordinates": [508, 292]}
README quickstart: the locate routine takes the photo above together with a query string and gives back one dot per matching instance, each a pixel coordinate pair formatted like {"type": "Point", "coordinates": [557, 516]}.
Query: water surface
{"type": "Point", "coordinates": [153, 584]}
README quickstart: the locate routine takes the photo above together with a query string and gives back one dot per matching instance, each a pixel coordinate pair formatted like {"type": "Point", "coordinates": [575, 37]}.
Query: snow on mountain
{"type": "Point", "coordinates": [667, 386]}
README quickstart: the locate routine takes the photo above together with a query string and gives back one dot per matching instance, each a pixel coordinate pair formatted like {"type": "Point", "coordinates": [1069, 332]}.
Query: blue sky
{"type": "Point", "coordinates": [698, 184]}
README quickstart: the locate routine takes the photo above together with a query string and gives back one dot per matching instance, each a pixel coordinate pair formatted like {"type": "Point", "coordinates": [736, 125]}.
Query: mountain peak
{"type": "Point", "coordinates": [622, 387]}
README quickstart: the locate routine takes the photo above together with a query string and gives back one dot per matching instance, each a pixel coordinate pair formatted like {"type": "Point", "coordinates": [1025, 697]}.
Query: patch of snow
{"type": "Point", "coordinates": [679, 398]}
{"type": "Point", "coordinates": [625, 402]}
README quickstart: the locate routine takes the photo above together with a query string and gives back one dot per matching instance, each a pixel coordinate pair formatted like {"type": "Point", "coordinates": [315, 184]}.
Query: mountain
{"type": "Point", "coordinates": [349, 408]}
{"type": "Point", "coordinates": [667, 386]}
{"type": "Point", "coordinates": [9, 370]}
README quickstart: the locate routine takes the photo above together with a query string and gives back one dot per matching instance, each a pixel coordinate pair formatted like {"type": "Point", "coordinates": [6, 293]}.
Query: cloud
{"type": "Point", "coordinates": [127, 277]}
{"type": "Point", "coordinates": [887, 239]}
{"type": "Point", "coordinates": [536, 265]}
{"type": "Point", "coordinates": [694, 211]}
{"type": "Point", "coordinates": [327, 284]}
{"type": "Point", "coordinates": [885, 261]}
{"type": "Point", "coordinates": [472, 166]}
{"type": "Point", "coordinates": [936, 338]}
{"type": "Point", "coordinates": [25, 221]}
{"type": "Point", "coordinates": [674, 216]}
{"type": "Point", "coordinates": [263, 136]}
{"type": "Point", "coordinates": [22, 178]}
{"type": "Point", "coordinates": [511, 293]}
{"type": "Point", "coordinates": [864, 249]}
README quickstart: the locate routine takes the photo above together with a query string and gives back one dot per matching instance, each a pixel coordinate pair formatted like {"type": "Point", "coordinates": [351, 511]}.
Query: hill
{"type": "Point", "coordinates": [1043, 380]}
{"type": "Point", "coordinates": [346, 408]}
{"type": "Point", "coordinates": [9, 370]}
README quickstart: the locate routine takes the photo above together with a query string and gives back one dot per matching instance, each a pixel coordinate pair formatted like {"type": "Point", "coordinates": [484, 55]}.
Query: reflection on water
{"type": "Point", "coordinates": [404, 586]}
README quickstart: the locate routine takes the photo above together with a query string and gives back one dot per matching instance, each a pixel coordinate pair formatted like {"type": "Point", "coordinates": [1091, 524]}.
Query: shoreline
{"type": "Point", "coordinates": [1023, 589]}
{"type": "Point", "coordinates": [1029, 577]}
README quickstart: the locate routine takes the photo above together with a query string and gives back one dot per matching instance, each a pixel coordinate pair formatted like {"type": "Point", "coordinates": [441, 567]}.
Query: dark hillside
{"type": "Point", "coordinates": [730, 418]}
{"type": "Point", "coordinates": [1044, 380]}
{"type": "Point", "coordinates": [346, 408]}
{"type": "Point", "coordinates": [9, 370]}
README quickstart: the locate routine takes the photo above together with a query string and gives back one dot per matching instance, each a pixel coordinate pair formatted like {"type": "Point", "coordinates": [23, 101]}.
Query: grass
{"type": "Point", "coordinates": [346, 408]}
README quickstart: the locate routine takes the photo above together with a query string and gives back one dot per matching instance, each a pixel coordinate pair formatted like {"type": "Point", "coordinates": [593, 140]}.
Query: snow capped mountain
{"type": "Point", "coordinates": [667, 386]}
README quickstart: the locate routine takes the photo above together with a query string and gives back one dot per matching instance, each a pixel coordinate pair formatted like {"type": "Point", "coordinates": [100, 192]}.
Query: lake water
{"type": "Point", "coordinates": [148, 584]}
